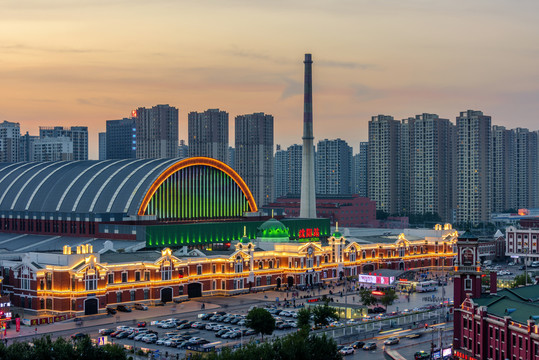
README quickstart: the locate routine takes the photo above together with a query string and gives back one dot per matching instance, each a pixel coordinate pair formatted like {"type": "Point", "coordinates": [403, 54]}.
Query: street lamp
{"type": "Point", "coordinates": [525, 251]}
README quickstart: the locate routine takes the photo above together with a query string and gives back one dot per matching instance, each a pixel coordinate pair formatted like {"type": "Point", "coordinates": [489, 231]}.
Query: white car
{"type": "Point", "coordinates": [347, 350]}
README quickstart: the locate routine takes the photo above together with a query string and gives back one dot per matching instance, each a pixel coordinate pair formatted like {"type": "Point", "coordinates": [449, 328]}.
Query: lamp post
{"type": "Point", "coordinates": [525, 251]}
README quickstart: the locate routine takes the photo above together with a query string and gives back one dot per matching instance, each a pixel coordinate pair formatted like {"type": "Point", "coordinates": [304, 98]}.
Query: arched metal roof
{"type": "Point", "coordinates": [99, 187]}
{"type": "Point", "coordinates": [110, 186]}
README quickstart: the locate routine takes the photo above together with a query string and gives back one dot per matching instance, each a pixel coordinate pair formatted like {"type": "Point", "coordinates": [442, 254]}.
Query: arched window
{"type": "Point", "coordinates": [353, 256]}
{"type": "Point", "coordinates": [373, 254]}
{"type": "Point", "coordinates": [270, 264]}
{"type": "Point", "coordinates": [364, 254]}
{"type": "Point", "coordinates": [260, 265]}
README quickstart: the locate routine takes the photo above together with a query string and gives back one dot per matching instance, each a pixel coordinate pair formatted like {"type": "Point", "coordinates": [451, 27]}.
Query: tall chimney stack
{"type": "Point", "coordinates": [308, 191]}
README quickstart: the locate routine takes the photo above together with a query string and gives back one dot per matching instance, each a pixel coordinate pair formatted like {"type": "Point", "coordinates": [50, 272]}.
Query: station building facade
{"type": "Point", "coordinates": [86, 282]}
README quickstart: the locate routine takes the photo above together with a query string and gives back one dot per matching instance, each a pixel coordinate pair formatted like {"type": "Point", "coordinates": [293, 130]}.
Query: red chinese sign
{"type": "Point", "coordinates": [308, 233]}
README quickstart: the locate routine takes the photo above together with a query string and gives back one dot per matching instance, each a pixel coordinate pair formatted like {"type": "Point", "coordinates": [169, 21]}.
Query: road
{"type": "Point", "coordinates": [235, 304]}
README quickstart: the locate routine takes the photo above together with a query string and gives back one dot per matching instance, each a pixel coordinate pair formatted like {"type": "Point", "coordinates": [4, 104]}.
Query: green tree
{"type": "Point", "coordinates": [366, 297]}
{"type": "Point", "coordinates": [389, 297]}
{"type": "Point", "coordinates": [323, 314]}
{"type": "Point", "coordinates": [521, 280]}
{"type": "Point", "coordinates": [304, 319]}
{"type": "Point", "coordinates": [261, 321]}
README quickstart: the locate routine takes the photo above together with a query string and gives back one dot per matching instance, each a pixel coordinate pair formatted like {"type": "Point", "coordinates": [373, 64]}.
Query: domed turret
{"type": "Point", "coordinates": [337, 234]}
{"type": "Point", "coordinates": [245, 239]}
{"type": "Point", "coordinates": [273, 230]}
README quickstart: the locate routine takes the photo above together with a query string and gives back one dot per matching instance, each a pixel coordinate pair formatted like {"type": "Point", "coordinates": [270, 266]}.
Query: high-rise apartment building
{"type": "Point", "coordinates": [502, 159]}
{"type": "Point", "coordinates": [121, 141]}
{"type": "Point", "coordinates": [362, 169]}
{"type": "Point", "coordinates": [295, 158]}
{"type": "Point", "coordinates": [10, 133]}
{"type": "Point", "coordinates": [431, 157]}
{"type": "Point", "coordinates": [26, 147]}
{"type": "Point", "coordinates": [77, 134]}
{"type": "Point", "coordinates": [383, 161]}
{"type": "Point", "coordinates": [473, 167]}
{"type": "Point", "coordinates": [208, 134]}
{"type": "Point", "coordinates": [281, 172]}
{"type": "Point", "coordinates": [102, 145]}
{"type": "Point", "coordinates": [254, 154]}
{"type": "Point", "coordinates": [525, 169]}
{"type": "Point", "coordinates": [157, 132]}
{"type": "Point", "coordinates": [404, 165]}
{"type": "Point", "coordinates": [56, 148]}
{"type": "Point", "coordinates": [183, 150]}
{"type": "Point", "coordinates": [333, 167]}
{"type": "Point", "coordinates": [231, 157]}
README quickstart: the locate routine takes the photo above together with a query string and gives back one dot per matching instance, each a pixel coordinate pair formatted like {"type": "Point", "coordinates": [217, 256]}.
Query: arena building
{"type": "Point", "coordinates": [195, 202]}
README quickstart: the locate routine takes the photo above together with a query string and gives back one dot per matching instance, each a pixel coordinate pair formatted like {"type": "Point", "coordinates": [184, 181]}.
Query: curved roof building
{"type": "Point", "coordinates": [169, 189]}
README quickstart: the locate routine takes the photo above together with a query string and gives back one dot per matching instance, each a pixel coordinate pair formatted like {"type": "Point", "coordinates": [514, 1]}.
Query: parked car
{"type": "Point", "coordinates": [347, 350]}
{"type": "Point", "coordinates": [141, 324]}
{"type": "Point", "coordinates": [421, 355]}
{"type": "Point", "coordinates": [139, 306]}
{"type": "Point", "coordinates": [392, 341]}
{"type": "Point", "coordinates": [78, 336]}
{"type": "Point", "coordinates": [358, 345]}
{"type": "Point", "coordinates": [123, 308]}
{"type": "Point", "coordinates": [369, 346]}
{"type": "Point", "coordinates": [111, 311]}
{"type": "Point", "coordinates": [105, 332]}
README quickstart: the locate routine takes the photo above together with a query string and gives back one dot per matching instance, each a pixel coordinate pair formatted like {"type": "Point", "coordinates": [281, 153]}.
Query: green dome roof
{"type": "Point", "coordinates": [273, 229]}
{"type": "Point", "coordinates": [337, 234]}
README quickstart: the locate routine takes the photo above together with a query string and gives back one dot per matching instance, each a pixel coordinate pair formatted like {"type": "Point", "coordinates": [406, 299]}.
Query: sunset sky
{"type": "Point", "coordinates": [82, 62]}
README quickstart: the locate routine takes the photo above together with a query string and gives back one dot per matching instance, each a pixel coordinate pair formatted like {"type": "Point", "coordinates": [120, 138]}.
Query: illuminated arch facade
{"type": "Point", "coordinates": [198, 188]}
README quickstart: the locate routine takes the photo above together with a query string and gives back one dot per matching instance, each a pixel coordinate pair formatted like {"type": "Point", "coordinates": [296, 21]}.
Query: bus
{"type": "Point", "coordinates": [426, 286]}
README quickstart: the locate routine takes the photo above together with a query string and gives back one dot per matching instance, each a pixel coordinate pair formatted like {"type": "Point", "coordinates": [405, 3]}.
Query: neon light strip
{"type": "Point", "coordinates": [190, 163]}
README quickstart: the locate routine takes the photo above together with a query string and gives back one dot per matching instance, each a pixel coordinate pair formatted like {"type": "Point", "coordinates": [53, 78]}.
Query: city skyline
{"type": "Point", "coordinates": [399, 59]}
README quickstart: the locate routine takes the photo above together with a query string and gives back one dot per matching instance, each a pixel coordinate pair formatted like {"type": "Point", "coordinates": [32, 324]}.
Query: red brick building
{"type": "Point", "coordinates": [347, 210]}
{"type": "Point", "coordinates": [86, 282]}
{"type": "Point", "coordinates": [495, 325]}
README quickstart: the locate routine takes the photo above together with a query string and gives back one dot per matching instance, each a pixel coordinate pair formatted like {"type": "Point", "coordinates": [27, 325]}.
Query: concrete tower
{"type": "Point", "coordinates": [308, 195]}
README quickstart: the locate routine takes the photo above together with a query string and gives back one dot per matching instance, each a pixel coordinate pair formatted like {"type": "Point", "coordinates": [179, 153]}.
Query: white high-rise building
{"type": "Point", "coordinates": [77, 134]}
{"type": "Point", "coordinates": [254, 155]}
{"type": "Point", "coordinates": [473, 172]}
{"type": "Point", "coordinates": [59, 148]}
{"type": "Point", "coordinates": [10, 134]}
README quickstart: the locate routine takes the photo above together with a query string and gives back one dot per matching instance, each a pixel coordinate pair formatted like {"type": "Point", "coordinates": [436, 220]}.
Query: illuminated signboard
{"type": "Point", "coordinates": [375, 279]}
{"type": "Point", "coordinates": [308, 233]}
{"type": "Point", "coordinates": [134, 113]}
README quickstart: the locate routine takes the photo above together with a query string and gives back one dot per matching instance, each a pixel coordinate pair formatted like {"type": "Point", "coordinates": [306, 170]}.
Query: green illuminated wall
{"type": "Point", "coordinates": [159, 236]}
{"type": "Point", "coordinates": [198, 192]}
